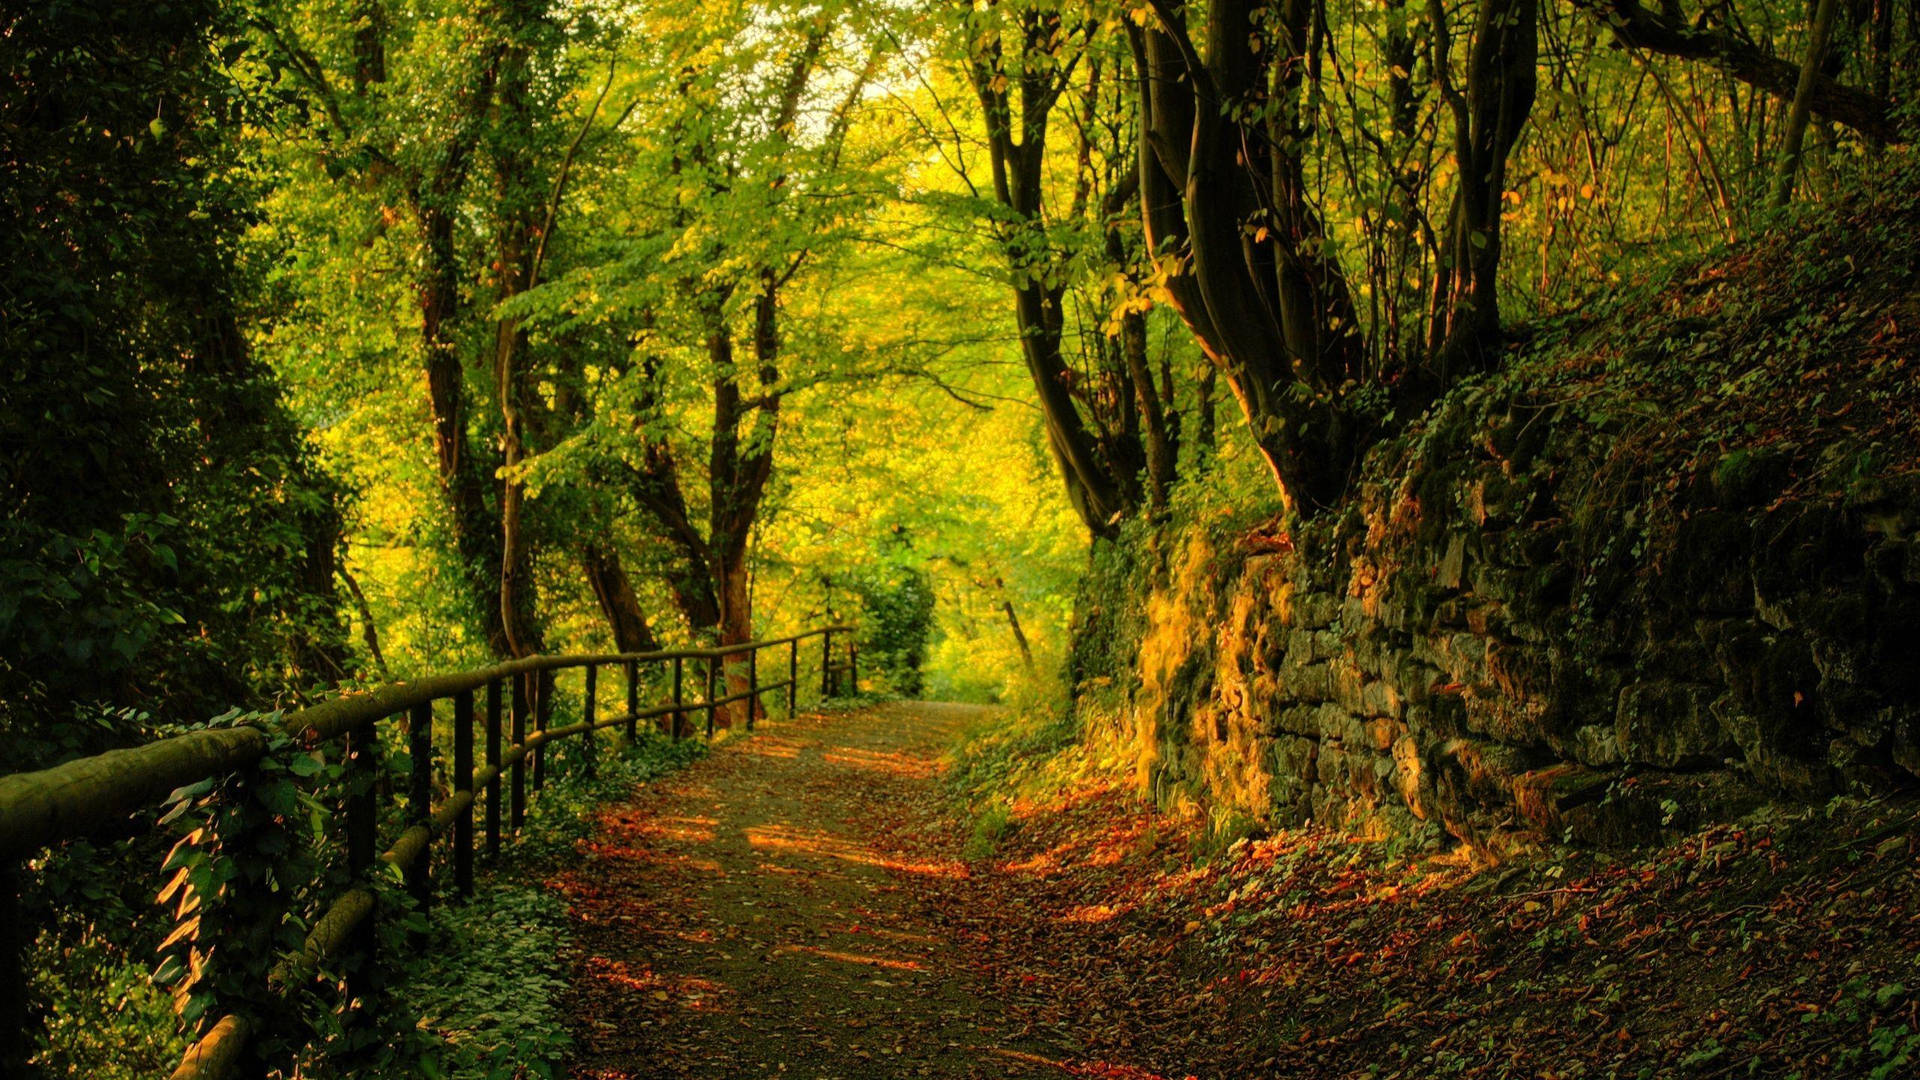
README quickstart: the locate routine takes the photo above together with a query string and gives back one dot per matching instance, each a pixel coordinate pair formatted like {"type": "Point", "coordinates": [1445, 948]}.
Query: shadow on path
{"type": "Point", "coordinates": [749, 916]}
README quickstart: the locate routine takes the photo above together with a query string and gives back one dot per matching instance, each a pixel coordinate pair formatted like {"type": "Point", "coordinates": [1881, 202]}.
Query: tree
{"type": "Point", "coordinates": [168, 543]}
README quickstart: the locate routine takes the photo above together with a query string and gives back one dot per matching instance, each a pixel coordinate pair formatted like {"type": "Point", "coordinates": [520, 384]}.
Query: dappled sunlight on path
{"type": "Point", "coordinates": [758, 914]}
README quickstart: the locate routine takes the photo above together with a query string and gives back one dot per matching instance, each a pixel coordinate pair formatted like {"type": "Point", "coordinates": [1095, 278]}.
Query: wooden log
{"type": "Point", "coordinates": [93, 793]}
{"type": "Point", "coordinates": [217, 1055]}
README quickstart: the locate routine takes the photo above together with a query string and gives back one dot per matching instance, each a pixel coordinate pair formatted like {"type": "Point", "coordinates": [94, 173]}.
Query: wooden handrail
{"type": "Point", "coordinates": [87, 795]}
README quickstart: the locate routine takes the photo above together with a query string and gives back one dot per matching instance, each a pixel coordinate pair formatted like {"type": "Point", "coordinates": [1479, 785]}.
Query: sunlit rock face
{"type": "Point", "coordinates": [1507, 637]}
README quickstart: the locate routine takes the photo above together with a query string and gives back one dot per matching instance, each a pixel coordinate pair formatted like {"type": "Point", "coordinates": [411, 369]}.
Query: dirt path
{"type": "Point", "coordinates": [752, 916]}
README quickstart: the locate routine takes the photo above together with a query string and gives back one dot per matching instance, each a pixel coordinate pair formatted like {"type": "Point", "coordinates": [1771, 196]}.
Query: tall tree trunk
{"type": "Point", "coordinates": [1789, 168]}
{"type": "Point", "coordinates": [1266, 303]}
{"type": "Point", "coordinates": [1016, 145]}
{"type": "Point", "coordinates": [1490, 113]}
{"type": "Point", "coordinates": [516, 251]}
{"type": "Point", "coordinates": [462, 475]}
{"type": "Point", "coordinates": [614, 592]}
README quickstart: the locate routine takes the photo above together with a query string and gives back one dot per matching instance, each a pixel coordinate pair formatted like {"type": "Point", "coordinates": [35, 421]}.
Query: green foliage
{"type": "Point", "coordinates": [165, 540]}
{"type": "Point", "coordinates": [102, 1016]}
{"type": "Point", "coordinates": [896, 620]}
{"type": "Point", "coordinates": [989, 826]}
{"type": "Point", "coordinates": [488, 994]}
{"type": "Point", "coordinates": [989, 759]}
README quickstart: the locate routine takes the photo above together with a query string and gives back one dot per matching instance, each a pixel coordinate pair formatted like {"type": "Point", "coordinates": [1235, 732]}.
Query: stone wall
{"type": "Point", "coordinates": [1522, 630]}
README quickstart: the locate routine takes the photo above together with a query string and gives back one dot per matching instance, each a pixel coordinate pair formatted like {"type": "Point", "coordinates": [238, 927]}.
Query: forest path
{"type": "Point", "coordinates": [757, 914]}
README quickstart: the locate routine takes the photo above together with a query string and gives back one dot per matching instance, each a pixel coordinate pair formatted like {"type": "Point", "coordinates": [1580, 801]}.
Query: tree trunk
{"type": "Point", "coordinates": [476, 529]}
{"type": "Point", "coordinates": [1489, 115]}
{"type": "Point", "coordinates": [1266, 303]}
{"type": "Point", "coordinates": [614, 592]}
{"type": "Point", "coordinates": [1669, 33]}
{"type": "Point", "coordinates": [1096, 485]}
{"type": "Point", "coordinates": [1019, 635]}
{"type": "Point", "coordinates": [1790, 148]}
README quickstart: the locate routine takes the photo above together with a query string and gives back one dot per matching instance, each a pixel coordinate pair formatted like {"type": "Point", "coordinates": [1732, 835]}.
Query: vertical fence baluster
{"type": "Point", "coordinates": [420, 797]}
{"type": "Point", "coordinates": [518, 811]}
{"type": "Point", "coordinates": [537, 693]}
{"type": "Point", "coordinates": [463, 782]}
{"type": "Point", "coordinates": [678, 718]}
{"type": "Point", "coordinates": [826, 664]}
{"type": "Point", "coordinates": [753, 685]}
{"type": "Point", "coordinates": [710, 696]}
{"type": "Point", "coordinates": [588, 711]}
{"type": "Point", "coordinates": [493, 760]}
{"type": "Point", "coordinates": [633, 699]}
{"type": "Point", "coordinates": [853, 665]}
{"type": "Point", "coordinates": [793, 678]}
{"type": "Point", "coordinates": [362, 820]}
{"type": "Point", "coordinates": [13, 974]}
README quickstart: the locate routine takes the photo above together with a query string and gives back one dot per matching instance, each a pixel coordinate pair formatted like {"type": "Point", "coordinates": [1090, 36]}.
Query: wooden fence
{"type": "Point", "coordinates": [96, 794]}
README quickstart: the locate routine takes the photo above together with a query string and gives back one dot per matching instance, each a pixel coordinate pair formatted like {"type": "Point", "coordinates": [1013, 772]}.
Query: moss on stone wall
{"type": "Point", "coordinates": [1666, 563]}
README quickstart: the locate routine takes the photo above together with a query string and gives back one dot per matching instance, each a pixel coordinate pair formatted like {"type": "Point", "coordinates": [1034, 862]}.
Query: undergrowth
{"type": "Point", "coordinates": [484, 1003]}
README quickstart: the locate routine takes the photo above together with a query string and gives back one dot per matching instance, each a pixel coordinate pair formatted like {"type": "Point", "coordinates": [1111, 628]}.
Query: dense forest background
{"type": "Point", "coordinates": [352, 342]}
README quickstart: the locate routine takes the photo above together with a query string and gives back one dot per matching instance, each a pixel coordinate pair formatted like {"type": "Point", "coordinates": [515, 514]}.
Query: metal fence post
{"type": "Point", "coordinates": [853, 665]}
{"type": "Point", "coordinates": [793, 678]}
{"type": "Point", "coordinates": [588, 713]}
{"type": "Point", "coordinates": [420, 797]}
{"type": "Point", "coordinates": [826, 664]}
{"type": "Point", "coordinates": [493, 761]}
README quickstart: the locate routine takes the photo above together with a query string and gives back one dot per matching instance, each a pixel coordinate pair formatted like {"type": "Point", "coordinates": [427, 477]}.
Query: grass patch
{"type": "Point", "coordinates": [989, 826]}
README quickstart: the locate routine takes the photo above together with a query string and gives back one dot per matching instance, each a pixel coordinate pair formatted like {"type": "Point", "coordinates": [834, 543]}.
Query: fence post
{"type": "Point", "coordinates": [420, 797]}
{"type": "Point", "coordinates": [517, 812]}
{"type": "Point", "coordinates": [753, 685]}
{"type": "Point", "coordinates": [710, 696]}
{"type": "Point", "coordinates": [853, 665]}
{"type": "Point", "coordinates": [826, 664]}
{"type": "Point", "coordinates": [362, 820]}
{"type": "Point", "coordinates": [463, 782]}
{"type": "Point", "coordinates": [633, 699]}
{"type": "Point", "coordinates": [493, 760]}
{"type": "Point", "coordinates": [537, 695]}
{"type": "Point", "coordinates": [678, 718]}
{"type": "Point", "coordinates": [588, 712]}
{"type": "Point", "coordinates": [13, 973]}
{"type": "Point", "coordinates": [793, 678]}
